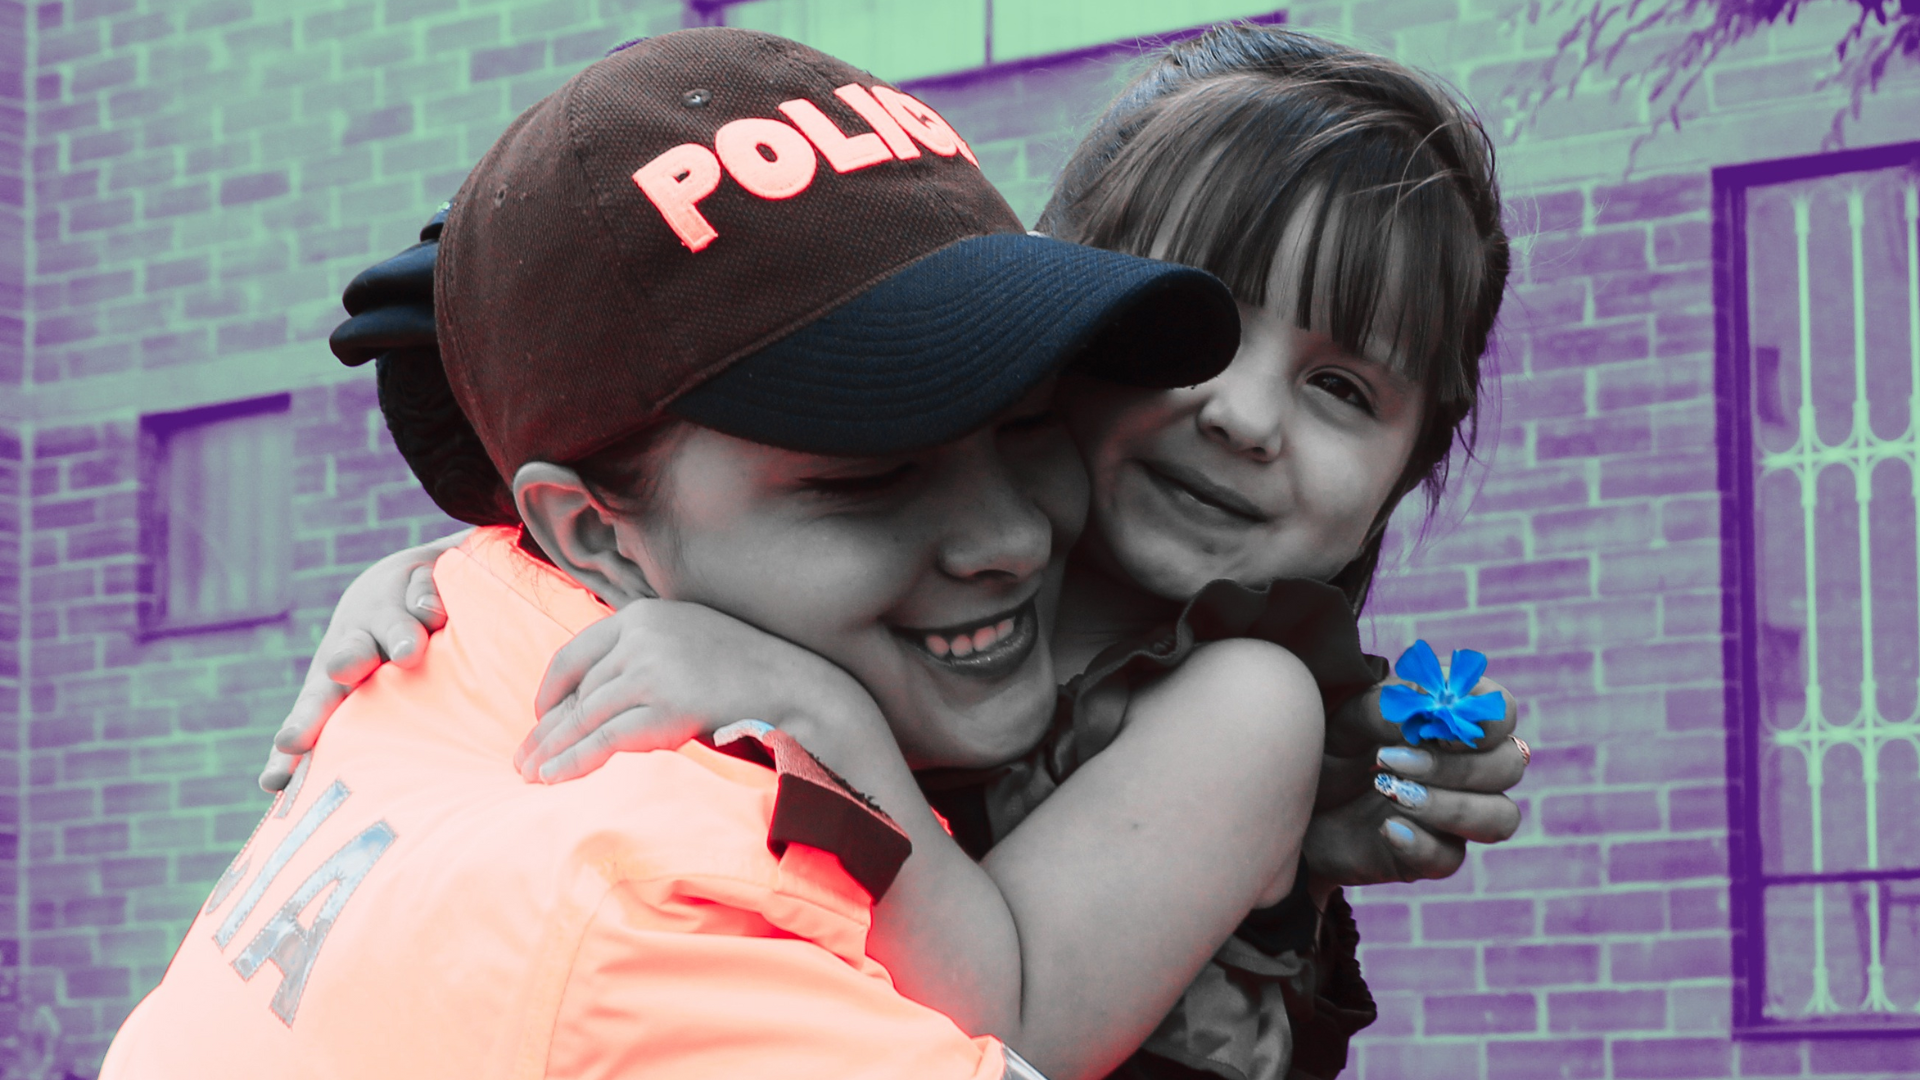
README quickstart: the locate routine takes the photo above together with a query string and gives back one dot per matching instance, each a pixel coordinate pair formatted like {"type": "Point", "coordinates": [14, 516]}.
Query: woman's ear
{"type": "Point", "coordinates": [578, 533]}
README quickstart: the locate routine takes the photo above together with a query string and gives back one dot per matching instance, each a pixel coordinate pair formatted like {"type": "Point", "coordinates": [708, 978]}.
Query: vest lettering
{"type": "Point", "coordinates": [303, 829]}
{"type": "Point", "coordinates": [920, 121]}
{"type": "Point", "coordinates": [676, 181]}
{"type": "Point", "coordinates": [743, 147]}
{"type": "Point", "coordinates": [293, 947]}
{"type": "Point", "coordinates": [237, 869]}
{"type": "Point", "coordinates": [862, 102]}
{"type": "Point", "coordinates": [845, 153]}
{"type": "Point", "coordinates": [294, 783]}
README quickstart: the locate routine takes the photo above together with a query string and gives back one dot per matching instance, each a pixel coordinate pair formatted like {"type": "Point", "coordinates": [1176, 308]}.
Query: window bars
{"type": "Point", "coordinates": [1818, 293]}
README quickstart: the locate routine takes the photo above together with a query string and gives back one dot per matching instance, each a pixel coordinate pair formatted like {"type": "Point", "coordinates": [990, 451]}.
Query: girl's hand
{"type": "Point", "coordinates": [385, 615]}
{"type": "Point", "coordinates": [658, 673]}
{"type": "Point", "coordinates": [1442, 795]}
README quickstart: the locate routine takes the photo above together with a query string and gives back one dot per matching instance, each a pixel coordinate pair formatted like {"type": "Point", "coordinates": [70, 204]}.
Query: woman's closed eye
{"type": "Point", "coordinates": [868, 483]}
{"type": "Point", "coordinates": [1033, 421]}
{"type": "Point", "coordinates": [1344, 388]}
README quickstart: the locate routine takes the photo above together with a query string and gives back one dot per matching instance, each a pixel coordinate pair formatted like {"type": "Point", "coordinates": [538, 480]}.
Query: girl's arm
{"type": "Point", "coordinates": [391, 607]}
{"type": "Point", "coordinates": [1082, 928]}
{"type": "Point", "coordinates": [386, 614]}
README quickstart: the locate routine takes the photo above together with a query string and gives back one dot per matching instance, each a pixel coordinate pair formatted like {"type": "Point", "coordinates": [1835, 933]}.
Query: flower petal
{"type": "Point", "coordinates": [1402, 703]}
{"type": "Point", "coordinates": [1464, 669]}
{"type": "Point", "coordinates": [1424, 727]}
{"type": "Point", "coordinates": [1460, 727]}
{"type": "Point", "coordinates": [1419, 665]}
{"type": "Point", "coordinates": [1482, 708]}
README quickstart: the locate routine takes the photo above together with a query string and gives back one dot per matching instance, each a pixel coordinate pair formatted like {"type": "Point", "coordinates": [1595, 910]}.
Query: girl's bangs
{"type": "Point", "coordinates": [1392, 254]}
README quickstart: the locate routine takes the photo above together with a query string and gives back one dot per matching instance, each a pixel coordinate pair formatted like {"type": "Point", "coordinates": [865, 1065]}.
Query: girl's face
{"type": "Point", "coordinates": [931, 577]}
{"type": "Point", "coordinates": [1278, 468]}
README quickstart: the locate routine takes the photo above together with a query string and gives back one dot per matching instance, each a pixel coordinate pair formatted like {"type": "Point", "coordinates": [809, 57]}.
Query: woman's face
{"type": "Point", "coordinates": [931, 577]}
{"type": "Point", "coordinates": [1278, 468]}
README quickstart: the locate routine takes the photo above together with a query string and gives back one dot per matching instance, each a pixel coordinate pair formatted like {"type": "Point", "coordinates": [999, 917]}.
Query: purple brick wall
{"type": "Point", "coordinates": [1596, 943]}
{"type": "Point", "coordinates": [13, 141]}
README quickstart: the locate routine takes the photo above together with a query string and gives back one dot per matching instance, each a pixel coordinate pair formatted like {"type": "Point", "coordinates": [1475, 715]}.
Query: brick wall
{"type": "Point", "coordinates": [1596, 943]}
{"type": "Point", "coordinates": [10, 722]}
{"type": "Point", "coordinates": [204, 177]}
{"type": "Point", "coordinates": [13, 64]}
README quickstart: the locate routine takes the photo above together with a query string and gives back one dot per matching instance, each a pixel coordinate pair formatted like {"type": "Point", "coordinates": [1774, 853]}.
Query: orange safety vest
{"type": "Point", "coordinates": [410, 908]}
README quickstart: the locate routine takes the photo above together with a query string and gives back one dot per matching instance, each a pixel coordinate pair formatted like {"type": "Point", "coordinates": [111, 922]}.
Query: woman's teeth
{"type": "Point", "coordinates": [967, 644]}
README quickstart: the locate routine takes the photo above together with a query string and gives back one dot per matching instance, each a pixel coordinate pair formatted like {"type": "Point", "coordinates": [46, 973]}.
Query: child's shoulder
{"type": "Point", "coordinates": [1231, 680]}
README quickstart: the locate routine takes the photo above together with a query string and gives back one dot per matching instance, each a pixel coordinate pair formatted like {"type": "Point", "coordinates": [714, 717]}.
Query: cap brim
{"type": "Point", "coordinates": [951, 340]}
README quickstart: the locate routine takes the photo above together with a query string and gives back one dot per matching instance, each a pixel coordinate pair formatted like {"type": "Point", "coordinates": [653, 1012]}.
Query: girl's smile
{"type": "Point", "coordinates": [1278, 468]}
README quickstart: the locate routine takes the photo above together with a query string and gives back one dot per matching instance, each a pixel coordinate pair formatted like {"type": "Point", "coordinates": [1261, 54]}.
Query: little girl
{"type": "Point", "coordinates": [1350, 204]}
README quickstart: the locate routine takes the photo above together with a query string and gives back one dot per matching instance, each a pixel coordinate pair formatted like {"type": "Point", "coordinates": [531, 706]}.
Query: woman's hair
{"type": "Point", "coordinates": [446, 455]}
{"type": "Point", "coordinates": [1210, 155]}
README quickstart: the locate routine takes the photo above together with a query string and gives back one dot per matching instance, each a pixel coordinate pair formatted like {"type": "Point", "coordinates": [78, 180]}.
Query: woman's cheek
{"type": "Point", "coordinates": [1063, 491]}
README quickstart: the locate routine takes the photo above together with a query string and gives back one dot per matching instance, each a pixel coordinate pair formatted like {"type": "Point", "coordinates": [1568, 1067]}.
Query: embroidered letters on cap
{"type": "Point", "coordinates": [675, 182]}
{"type": "Point", "coordinates": [861, 101]}
{"type": "Point", "coordinates": [844, 152]}
{"type": "Point", "coordinates": [773, 160]}
{"type": "Point", "coordinates": [920, 121]}
{"type": "Point", "coordinates": [740, 145]}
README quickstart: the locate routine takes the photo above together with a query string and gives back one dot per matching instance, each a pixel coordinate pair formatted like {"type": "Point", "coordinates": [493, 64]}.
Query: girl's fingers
{"type": "Point", "coordinates": [1357, 726]}
{"type": "Point", "coordinates": [1420, 854]}
{"type": "Point", "coordinates": [1489, 771]}
{"type": "Point", "coordinates": [348, 660]}
{"type": "Point", "coordinates": [331, 674]}
{"type": "Point", "coordinates": [578, 715]}
{"type": "Point", "coordinates": [423, 599]}
{"type": "Point", "coordinates": [1486, 819]}
{"type": "Point", "coordinates": [634, 730]}
{"type": "Point", "coordinates": [278, 772]}
{"type": "Point", "coordinates": [565, 715]}
{"type": "Point", "coordinates": [311, 711]}
{"type": "Point", "coordinates": [579, 758]}
{"type": "Point", "coordinates": [571, 664]}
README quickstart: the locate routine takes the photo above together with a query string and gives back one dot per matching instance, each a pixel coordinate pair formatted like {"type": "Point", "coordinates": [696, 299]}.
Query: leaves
{"type": "Point", "coordinates": [1603, 31]}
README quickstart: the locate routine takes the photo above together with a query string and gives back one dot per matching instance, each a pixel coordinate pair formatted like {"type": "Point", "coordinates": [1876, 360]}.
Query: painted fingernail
{"type": "Point", "coordinates": [1398, 834]}
{"type": "Point", "coordinates": [1408, 793]}
{"type": "Point", "coordinates": [1404, 760]}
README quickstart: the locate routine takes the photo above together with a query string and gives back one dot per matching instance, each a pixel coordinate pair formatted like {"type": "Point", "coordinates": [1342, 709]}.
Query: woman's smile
{"type": "Point", "coordinates": [989, 648]}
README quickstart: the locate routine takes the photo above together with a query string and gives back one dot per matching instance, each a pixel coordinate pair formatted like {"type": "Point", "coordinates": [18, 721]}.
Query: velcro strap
{"type": "Point", "coordinates": [813, 806]}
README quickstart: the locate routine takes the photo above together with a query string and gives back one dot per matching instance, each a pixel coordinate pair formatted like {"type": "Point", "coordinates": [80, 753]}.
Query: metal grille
{"type": "Point", "coordinates": [1829, 900]}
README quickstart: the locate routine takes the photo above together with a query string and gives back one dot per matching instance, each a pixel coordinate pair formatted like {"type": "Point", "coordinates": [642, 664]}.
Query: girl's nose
{"type": "Point", "coordinates": [1247, 416]}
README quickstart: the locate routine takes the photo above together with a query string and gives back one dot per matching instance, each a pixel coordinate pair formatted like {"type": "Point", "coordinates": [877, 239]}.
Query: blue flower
{"type": "Point", "coordinates": [1452, 713]}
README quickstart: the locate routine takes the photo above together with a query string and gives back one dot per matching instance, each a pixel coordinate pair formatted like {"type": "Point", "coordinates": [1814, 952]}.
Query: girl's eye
{"type": "Point", "coordinates": [865, 484]}
{"type": "Point", "coordinates": [1031, 422]}
{"type": "Point", "coordinates": [1343, 388]}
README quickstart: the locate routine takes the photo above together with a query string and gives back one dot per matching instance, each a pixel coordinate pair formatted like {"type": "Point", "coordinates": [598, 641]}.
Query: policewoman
{"type": "Point", "coordinates": [693, 304]}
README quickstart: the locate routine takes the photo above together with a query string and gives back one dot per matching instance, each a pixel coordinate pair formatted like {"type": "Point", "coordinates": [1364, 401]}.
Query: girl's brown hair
{"type": "Point", "coordinates": [1406, 243]}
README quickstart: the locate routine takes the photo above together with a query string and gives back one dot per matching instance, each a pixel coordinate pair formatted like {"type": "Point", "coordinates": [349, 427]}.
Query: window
{"type": "Point", "coordinates": [219, 502]}
{"type": "Point", "coordinates": [1819, 301]}
{"type": "Point", "coordinates": [911, 39]}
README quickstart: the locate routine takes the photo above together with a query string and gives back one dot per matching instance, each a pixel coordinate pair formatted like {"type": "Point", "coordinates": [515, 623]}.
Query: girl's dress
{"type": "Point", "coordinates": [1282, 998]}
